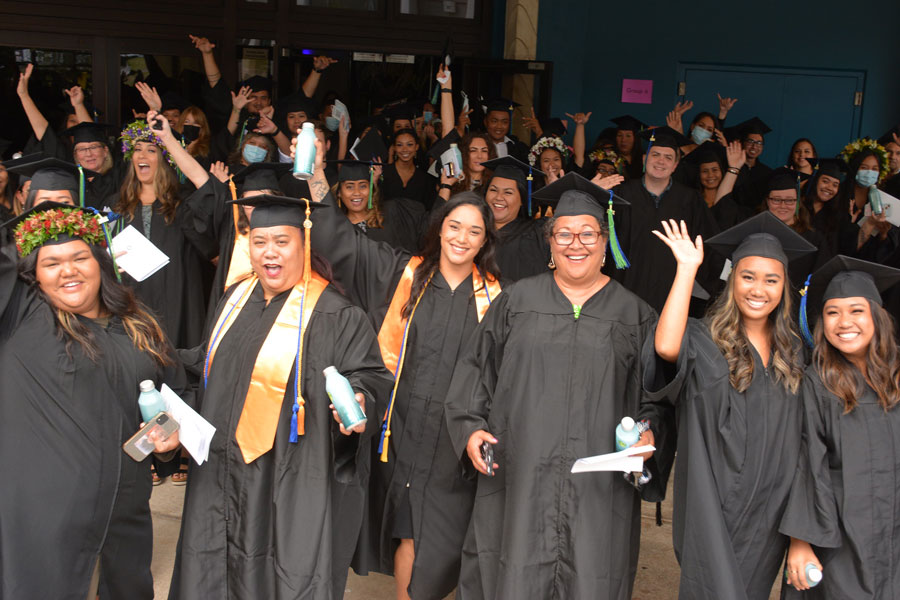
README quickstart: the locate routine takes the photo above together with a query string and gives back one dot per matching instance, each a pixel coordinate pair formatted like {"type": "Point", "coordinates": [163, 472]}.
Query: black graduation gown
{"type": "Point", "coordinates": [422, 477]}
{"type": "Point", "coordinates": [403, 225]}
{"type": "Point", "coordinates": [70, 493]}
{"type": "Point", "coordinates": [285, 526]}
{"type": "Point", "coordinates": [175, 293]}
{"type": "Point", "coordinates": [727, 213]}
{"type": "Point", "coordinates": [421, 187]}
{"type": "Point", "coordinates": [845, 498]}
{"type": "Point", "coordinates": [737, 453]}
{"type": "Point", "coordinates": [751, 186]}
{"type": "Point", "coordinates": [551, 389]}
{"type": "Point", "coordinates": [522, 250]}
{"type": "Point", "coordinates": [652, 267]}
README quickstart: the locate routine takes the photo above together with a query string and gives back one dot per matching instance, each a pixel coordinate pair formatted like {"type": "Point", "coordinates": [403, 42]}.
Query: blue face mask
{"type": "Point", "coordinates": [427, 115]}
{"type": "Point", "coordinates": [700, 135]}
{"type": "Point", "coordinates": [253, 154]}
{"type": "Point", "coordinates": [866, 178]}
{"type": "Point", "coordinates": [332, 124]}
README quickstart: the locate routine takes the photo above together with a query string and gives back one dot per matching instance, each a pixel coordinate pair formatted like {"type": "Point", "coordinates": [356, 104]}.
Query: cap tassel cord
{"type": "Point", "coordinates": [103, 220]}
{"type": "Point", "coordinates": [298, 416]}
{"type": "Point", "coordinates": [81, 186]}
{"type": "Point", "coordinates": [804, 319]}
{"type": "Point", "coordinates": [618, 255]}
{"type": "Point", "coordinates": [530, 180]}
{"type": "Point", "coordinates": [371, 185]}
{"type": "Point", "coordinates": [647, 153]}
{"type": "Point", "coordinates": [797, 205]}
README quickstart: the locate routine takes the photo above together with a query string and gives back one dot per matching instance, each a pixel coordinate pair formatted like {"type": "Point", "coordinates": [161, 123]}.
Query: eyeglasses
{"type": "Point", "coordinates": [89, 149]}
{"type": "Point", "coordinates": [753, 142]}
{"type": "Point", "coordinates": [782, 201]}
{"type": "Point", "coordinates": [587, 238]}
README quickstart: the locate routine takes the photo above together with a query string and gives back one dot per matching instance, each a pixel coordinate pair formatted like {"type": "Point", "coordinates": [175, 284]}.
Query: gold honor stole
{"type": "Point", "coordinates": [255, 433]}
{"type": "Point", "coordinates": [392, 336]}
{"type": "Point", "coordinates": [239, 267]}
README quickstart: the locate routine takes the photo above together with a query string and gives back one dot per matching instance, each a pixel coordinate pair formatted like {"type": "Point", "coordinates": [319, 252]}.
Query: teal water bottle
{"type": "Point", "coordinates": [305, 152]}
{"type": "Point", "coordinates": [343, 398]}
{"type": "Point", "coordinates": [627, 434]}
{"type": "Point", "coordinates": [150, 401]}
{"type": "Point", "coordinates": [813, 575]}
{"type": "Point", "coordinates": [875, 200]}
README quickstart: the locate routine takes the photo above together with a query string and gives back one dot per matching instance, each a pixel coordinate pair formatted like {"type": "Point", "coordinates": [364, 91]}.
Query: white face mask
{"type": "Point", "coordinates": [700, 135]}
{"type": "Point", "coordinates": [866, 177]}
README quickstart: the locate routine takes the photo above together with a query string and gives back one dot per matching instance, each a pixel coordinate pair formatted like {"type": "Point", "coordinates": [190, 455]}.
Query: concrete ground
{"type": "Point", "coordinates": [657, 576]}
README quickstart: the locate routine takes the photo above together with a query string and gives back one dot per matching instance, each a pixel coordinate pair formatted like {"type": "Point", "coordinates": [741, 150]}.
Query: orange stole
{"type": "Point", "coordinates": [239, 267]}
{"type": "Point", "coordinates": [255, 433]}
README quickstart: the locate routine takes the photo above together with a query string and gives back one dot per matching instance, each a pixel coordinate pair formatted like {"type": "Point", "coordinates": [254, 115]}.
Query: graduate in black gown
{"type": "Point", "coordinates": [653, 198]}
{"type": "Point", "coordinates": [74, 347]}
{"type": "Point", "coordinates": [734, 381]}
{"type": "Point", "coordinates": [425, 308]}
{"type": "Point", "coordinates": [276, 511]}
{"type": "Point", "coordinates": [715, 167]}
{"type": "Point", "coordinates": [149, 201]}
{"type": "Point", "coordinates": [52, 180]}
{"type": "Point", "coordinates": [750, 187]}
{"type": "Point", "coordinates": [842, 516]}
{"type": "Point", "coordinates": [403, 178]}
{"type": "Point", "coordinates": [551, 371]}
{"type": "Point", "coordinates": [826, 201]}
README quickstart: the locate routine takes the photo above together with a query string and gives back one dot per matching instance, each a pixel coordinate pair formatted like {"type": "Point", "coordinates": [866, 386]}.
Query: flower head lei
{"type": "Point", "coordinates": [140, 131]}
{"type": "Point", "coordinates": [542, 144]}
{"type": "Point", "coordinates": [857, 146]}
{"type": "Point", "coordinates": [601, 155]}
{"type": "Point", "coordinates": [42, 226]}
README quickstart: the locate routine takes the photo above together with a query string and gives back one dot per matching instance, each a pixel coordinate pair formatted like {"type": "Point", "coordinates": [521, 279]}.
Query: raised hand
{"type": "Point", "coordinates": [22, 87]}
{"type": "Point", "coordinates": [725, 104]}
{"type": "Point", "coordinates": [76, 95]}
{"type": "Point", "coordinates": [580, 118]}
{"type": "Point", "coordinates": [444, 78]}
{"type": "Point", "coordinates": [242, 98]}
{"type": "Point", "coordinates": [266, 125]}
{"type": "Point", "coordinates": [150, 95]}
{"type": "Point", "coordinates": [463, 120]}
{"type": "Point", "coordinates": [554, 175]}
{"type": "Point", "coordinates": [720, 137]}
{"type": "Point", "coordinates": [320, 63]}
{"type": "Point", "coordinates": [267, 111]}
{"type": "Point", "coordinates": [686, 252]}
{"type": "Point", "coordinates": [533, 123]}
{"type": "Point", "coordinates": [202, 44]}
{"type": "Point", "coordinates": [607, 181]}
{"type": "Point", "coordinates": [220, 171]}
{"type": "Point", "coordinates": [673, 120]}
{"type": "Point", "coordinates": [166, 134]}
{"type": "Point", "coordinates": [736, 155]}
{"type": "Point", "coordinates": [377, 168]}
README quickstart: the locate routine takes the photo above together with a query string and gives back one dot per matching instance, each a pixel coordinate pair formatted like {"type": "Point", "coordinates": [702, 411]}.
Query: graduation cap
{"type": "Point", "coordinates": [404, 111]}
{"type": "Point", "coordinates": [358, 170]}
{"type": "Point", "coordinates": [664, 137]}
{"type": "Point", "coordinates": [296, 103]}
{"type": "Point", "coordinates": [745, 128]}
{"type": "Point", "coordinates": [844, 277]}
{"type": "Point", "coordinates": [498, 104]}
{"type": "Point", "coordinates": [628, 123]}
{"type": "Point", "coordinates": [51, 226]}
{"type": "Point", "coordinates": [257, 83]}
{"type": "Point", "coordinates": [708, 152]}
{"type": "Point", "coordinates": [509, 167]}
{"type": "Point", "coordinates": [53, 174]}
{"type": "Point", "coordinates": [575, 195]}
{"type": "Point", "coordinates": [371, 146]}
{"type": "Point", "coordinates": [784, 178]}
{"type": "Point", "coordinates": [833, 167]}
{"type": "Point", "coordinates": [172, 101]}
{"type": "Point", "coordinates": [888, 136]}
{"type": "Point", "coordinates": [762, 235]}
{"type": "Point", "coordinates": [88, 132]}
{"type": "Point", "coordinates": [274, 211]}
{"type": "Point", "coordinates": [260, 176]}
{"type": "Point", "coordinates": [553, 126]}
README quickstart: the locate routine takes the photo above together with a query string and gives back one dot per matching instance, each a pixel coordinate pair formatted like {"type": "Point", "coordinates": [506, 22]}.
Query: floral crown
{"type": "Point", "coordinates": [39, 227]}
{"type": "Point", "coordinates": [857, 146]}
{"type": "Point", "coordinates": [548, 142]}
{"type": "Point", "coordinates": [140, 131]}
{"type": "Point", "coordinates": [600, 155]}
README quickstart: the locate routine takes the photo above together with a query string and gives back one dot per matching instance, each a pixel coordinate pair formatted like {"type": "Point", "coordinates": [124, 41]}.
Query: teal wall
{"type": "Point", "coordinates": [594, 44]}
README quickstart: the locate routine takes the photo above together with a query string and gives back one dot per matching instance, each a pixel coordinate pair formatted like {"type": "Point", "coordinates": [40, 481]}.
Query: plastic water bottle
{"type": "Point", "coordinates": [305, 152]}
{"type": "Point", "coordinates": [150, 401]}
{"type": "Point", "coordinates": [875, 200]}
{"type": "Point", "coordinates": [627, 434]}
{"type": "Point", "coordinates": [343, 398]}
{"type": "Point", "coordinates": [813, 575]}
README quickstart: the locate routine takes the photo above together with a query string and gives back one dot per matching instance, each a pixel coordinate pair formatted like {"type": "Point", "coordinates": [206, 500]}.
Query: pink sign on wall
{"type": "Point", "coordinates": [637, 91]}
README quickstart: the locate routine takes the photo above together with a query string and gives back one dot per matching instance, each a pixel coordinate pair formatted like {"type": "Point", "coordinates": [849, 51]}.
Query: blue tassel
{"type": "Point", "coordinates": [804, 319]}
{"type": "Point", "coordinates": [647, 153]}
{"type": "Point", "coordinates": [294, 437]}
{"type": "Point", "coordinates": [618, 255]}
{"type": "Point", "coordinates": [530, 180]}
{"type": "Point", "coordinates": [381, 436]}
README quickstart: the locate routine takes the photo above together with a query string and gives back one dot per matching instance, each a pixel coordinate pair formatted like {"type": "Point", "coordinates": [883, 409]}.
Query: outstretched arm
{"type": "Point", "coordinates": [578, 144]}
{"type": "Point", "coordinates": [448, 119]}
{"type": "Point", "coordinates": [213, 75]}
{"type": "Point", "coordinates": [38, 123]}
{"type": "Point", "coordinates": [320, 63]}
{"type": "Point", "coordinates": [187, 163]}
{"type": "Point", "coordinates": [673, 319]}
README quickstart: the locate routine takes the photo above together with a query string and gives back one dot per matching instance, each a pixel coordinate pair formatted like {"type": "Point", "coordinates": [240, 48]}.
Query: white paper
{"type": "Point", "coordinates": [891, 208]}
{"type": "Point", "coordinates": [339, 110]}
{"type": "Point", "coordinates": [141, 259]}
{"type": "Point", "coordinates": [353, 149]}
{"type": "Point", "coordinates": [194, 432]}
{"type": "Point", "coordinates": [624, 461]}
{"type": "Point", "coordinates": [726, 270]}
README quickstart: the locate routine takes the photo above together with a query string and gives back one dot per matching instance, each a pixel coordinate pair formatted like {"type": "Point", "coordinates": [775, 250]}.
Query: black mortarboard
{"type": "Point", "coordinates": [833, 167]}
{"type": "Point", "coordinates": [762, 235]}
{"type": "Point", "coordinates": [260, 176]}
{"type": "Point", "coordinates": [353, 170]}
{"type": "Point", "coordinates": [628, 123]}
{"type": "Point", "coordinates": [371, 146]}
{"type": "Point", "coordinates": [888, 136]}
{"type": "Point", "coordinates": [500, 104]}
{"type": "Point", "coordinates": [54, 174]}
{"type": "Point", "coordinates": [664, 137]}
{"type": "Point", "coordinates": [509, 167]}
{"type": "Point", "coordinates": [274, 211]}
{"type": "Point", "coordinates": [257, 83]}
{"type": "Point", "coordinates": [743, 129]}
{"type": "Point", "coordinates": [172, 101]}
{"type": "Point", "coordinates": [88, 132]}
{"type": "Point", "coordinates": [402, 111]}
{"type": "Point", "coordinates": [553, 126]}
{"type": "Point", "coordinates": [708, 152]}
{"type": "Point", "coordinates": [784, 178]}
{"type": "Point", "coordinates": [296, 103]}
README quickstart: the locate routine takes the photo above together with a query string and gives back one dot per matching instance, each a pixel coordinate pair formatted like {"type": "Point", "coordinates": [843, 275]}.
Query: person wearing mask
{"type": "Point", "coordinates": [551, 371]}
{"type": "Point", "coordinates": [870, 237]}
{"type": "Point", "coordinates": [842, 516]}
{"type": "Point", "coordinates": [733, 380]}
{"type": "Point", "coordinates": [497, 120]}
{"type": "Point", "coordinates": [284, 486]}
{"type": "Point", "coordinates": [195, 133]}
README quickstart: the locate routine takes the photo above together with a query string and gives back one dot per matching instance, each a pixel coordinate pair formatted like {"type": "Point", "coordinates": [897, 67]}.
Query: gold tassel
{"type": "Point", "coordinates": [301, 417]}
{"type": "Point", "coordinates": [232, 187]}
{"type": "Point", "coordinates": [307, 275]}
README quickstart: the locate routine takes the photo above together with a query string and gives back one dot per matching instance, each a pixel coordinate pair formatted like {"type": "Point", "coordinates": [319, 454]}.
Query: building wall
{"type": "Point", "coordinates": [594, 44]}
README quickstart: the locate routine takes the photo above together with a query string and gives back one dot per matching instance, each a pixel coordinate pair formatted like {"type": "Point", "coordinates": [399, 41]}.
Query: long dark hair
{"type": "Point", "coordinates": [462, 185]}
{"type": "Point", "coordinates": [790, 157]}
{"type": "Point", "coordinates": [485, 260]}
{"type": "Point", "coordinates": [165, 183]}
{"type": "Point", "coordinates": [845, 381]}
{"type": "Point", "coordinates": [117, 299]}
{"type": "Point", "coordinates": [831, 210]}
{"type": "Point", "coordinates": [853, 167]}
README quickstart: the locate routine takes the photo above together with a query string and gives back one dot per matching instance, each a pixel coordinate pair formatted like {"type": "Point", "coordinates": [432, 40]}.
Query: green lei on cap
{"type": "Point", "coordinates": [33, 232]}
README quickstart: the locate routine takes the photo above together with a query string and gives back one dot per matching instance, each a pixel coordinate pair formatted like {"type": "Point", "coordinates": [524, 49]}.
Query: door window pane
{"type": "Point", "coordinates": [460, 9]}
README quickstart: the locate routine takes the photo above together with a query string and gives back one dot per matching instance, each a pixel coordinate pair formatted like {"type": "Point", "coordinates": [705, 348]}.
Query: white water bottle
{"type": "Point", "coordinates": [150, 401]}
{"type": "Point", "coordinates": [813, 575]}
{"type": "Point", "coordinates": [627, 435]}
{"type": "Point", "coordinates": [343, 398]}
{"type": "Point", "coordinates": [305, 152]}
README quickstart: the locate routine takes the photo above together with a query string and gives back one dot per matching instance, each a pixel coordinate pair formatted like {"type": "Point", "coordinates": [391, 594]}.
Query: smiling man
{"type": "Point", "coordinates": [278, 508]}
{"type": "Point", "coordinates": [656, 197]}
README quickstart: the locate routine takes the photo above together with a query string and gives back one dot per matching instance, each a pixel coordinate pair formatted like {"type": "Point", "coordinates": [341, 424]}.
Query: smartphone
{"type": "Point", "coordinates": [487, 453]}
{"type": "Point", "coordinates": [252, 122]}
{"type": "Point", "coordinates": [157, 124]}
{"type": "Point", "coordinates": [139, 446]}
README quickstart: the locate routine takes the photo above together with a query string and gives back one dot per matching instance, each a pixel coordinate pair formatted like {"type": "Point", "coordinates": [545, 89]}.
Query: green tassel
{"type": "Point", "coordinates": [371, 184]}
{"type": "Point", "coordinates": [804, 318]}
{"type": "Point", "coordinates": [81, 186]}
{"type": "Point", "coordinates": [618, 255]}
